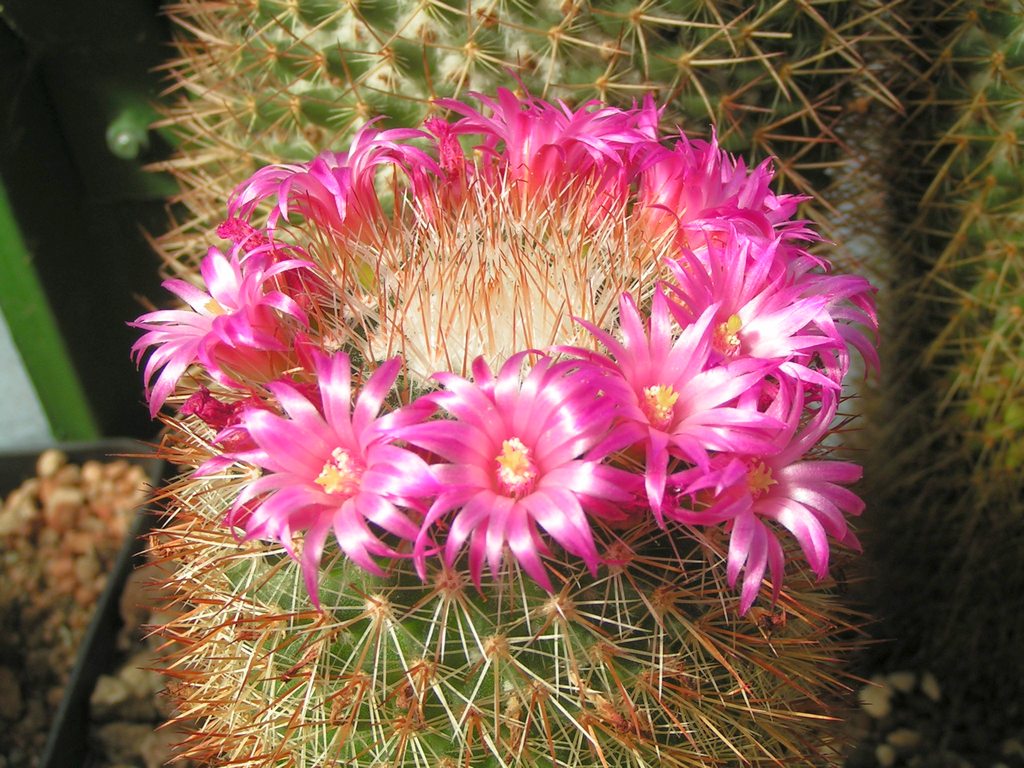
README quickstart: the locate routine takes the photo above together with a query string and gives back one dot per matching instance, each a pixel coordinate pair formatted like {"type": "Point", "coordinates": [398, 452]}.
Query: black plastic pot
{"type": "Point", "coordinates": [67, 744]}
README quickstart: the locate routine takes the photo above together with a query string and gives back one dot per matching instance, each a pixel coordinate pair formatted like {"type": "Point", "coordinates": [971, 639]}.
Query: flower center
{"type": "Point", "coordinates": [659, 401]}
{"type": "Point", "coordinates": [759, 479]}
{"type": "Point", "coordinates": [516, 471]}
{"type": "Point", "coordinates": [340, 474]}
{"type": "Point", "coordinates": [726, 339]}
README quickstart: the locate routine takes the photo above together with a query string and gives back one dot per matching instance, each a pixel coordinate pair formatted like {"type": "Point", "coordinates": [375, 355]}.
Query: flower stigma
{"type": "Point", "coordinates": [340, 474]}
{"type": "Point", "coordinates": [516, 471]}
{"type": "Point", "coordinates": [659, 401]}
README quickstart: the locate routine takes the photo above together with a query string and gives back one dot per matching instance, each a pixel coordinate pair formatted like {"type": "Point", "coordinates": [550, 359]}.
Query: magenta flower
{"type": "Point", "coordinates": [335, 189]}
{"type": "Point", "coordinates": [759, 314]}
{"type": "Point", "coordinates": [518, 460]}
{"type": "Point", "coordinates": [691, 182]}
{"type": "Point", "coordinates": [784, 485]}
{"type": "Point", "coordinates": [542, 147]}
{"type": "Point", "coordinates": [222, 417]}
{"type": "Point", "coordinates": [670, 400]}
{"type": "Point", "coordinates": [851, 307]}
{"type": "Point", "coordinates": [333, 467]}
{"type": "Point", "coordinates": [241, 232]}
{"type": "Point", "coordinates": [240, 328]}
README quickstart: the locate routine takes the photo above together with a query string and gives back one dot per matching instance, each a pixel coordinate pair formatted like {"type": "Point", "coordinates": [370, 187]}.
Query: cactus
{"type": "Point", "coordinates": [976, 203]}
{"type": "Point", "coordinates": [953, 414]}
{"type": "Point", "coordinates": [620, 373]}
{"type": "Point", "coordinates": [275, 81]}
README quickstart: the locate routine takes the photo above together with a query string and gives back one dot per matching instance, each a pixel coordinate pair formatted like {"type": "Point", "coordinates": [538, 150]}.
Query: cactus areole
{"type": "Point", "coordinates": [496, 429]}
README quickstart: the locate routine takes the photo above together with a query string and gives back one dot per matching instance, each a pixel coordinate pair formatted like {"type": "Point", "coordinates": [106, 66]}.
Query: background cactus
{"type": "Point", "coordinates": [270, 81]}
{"type": "Point", "coordinates": [974, 208]}
{"type": "Point", "coordinates": [951, 413]}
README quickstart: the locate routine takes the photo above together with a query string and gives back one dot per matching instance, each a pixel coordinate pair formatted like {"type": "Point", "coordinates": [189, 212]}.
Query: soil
{"type": "Point", "coordinates": [128, 708]}
{"type": "Point", "coordinates": [60, 535]}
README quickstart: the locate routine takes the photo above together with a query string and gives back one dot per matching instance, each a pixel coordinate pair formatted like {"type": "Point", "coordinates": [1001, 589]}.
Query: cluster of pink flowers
{"type": "Point", "coordinates": [705, 404]}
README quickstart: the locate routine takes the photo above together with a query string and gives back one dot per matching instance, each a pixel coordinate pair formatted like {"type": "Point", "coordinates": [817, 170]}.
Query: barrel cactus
{"type": "Point", "coordinates": [505, 441]}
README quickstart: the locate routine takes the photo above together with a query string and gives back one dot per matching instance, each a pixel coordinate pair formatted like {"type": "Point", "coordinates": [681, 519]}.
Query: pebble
{"type": "Point", "coordinates": [59, 534]}
{"type": "Point", "coordinates": [903, 682]}
{"type": "Point", "coordinates": [87, 567]}
{"type": "Point", "coordinates": [158, 749]}
{"type": "Point", "coordinates": [92, 473]}
{"type": "Point", "coordinates": [130, 695]}
{"type": "Point", "coordinates": [19, 510]}
{"type": "Point", "coordinates": [885, 755]}
{"type": "Point", "coordinates": [1012, 748]}
{"type": "Point", "coordinates": [876, 700]}
{"type": "Point", "coordinates": [107, 697]}
{"type": "Point", "coordinates": [49, 462]}
{"type": "Point", "coordinates": [122, 742]}
{"type": "Point", "coordinates": [904, 738]}
{"type": "Point", "coordinates": [64, 507]}
{"type": "Point", "coordinates": [930, 686]}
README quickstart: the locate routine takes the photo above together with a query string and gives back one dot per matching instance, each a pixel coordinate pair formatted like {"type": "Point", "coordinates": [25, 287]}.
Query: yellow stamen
{"type": "Point", "coordinates": [759, 479]}
{"type": "Point", "coordinates": [516, 472]}
{"type": "Point", "coordinates": [659, 401]}
{"type": "Point", "coordinates": [726, 339]}
{"type": "Point", "coordinates": [340, 474]}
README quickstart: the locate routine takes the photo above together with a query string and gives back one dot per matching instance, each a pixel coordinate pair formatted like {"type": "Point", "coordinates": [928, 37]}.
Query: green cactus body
{"type": "Point", "coordinates": [976, 278]}
{"type": "Point", "coordinates": [276, 81]}
{"type": "Point", "coordinates": [644, 665]}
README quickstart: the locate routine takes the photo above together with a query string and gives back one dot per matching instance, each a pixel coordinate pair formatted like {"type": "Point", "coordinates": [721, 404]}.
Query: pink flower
{"type": "Point", "coordinates": [335, 189]}
{"type": "Point", "coordinates": [518, 460]}
{"type": "Point", "coordinates": [784, 485]}
{"type": "Point", "coordinates": [670, 400]}
{"type": "Point", "coordinates": [851, 307]}
{"type": "Point", "coordinates": [692, 181]}
{"type": "Point", "coordinates": [759, 314]}
{"type": "Point", "coordinates": [543, 147]}
{"type": "Point", "coordinates": [511, 218]}
{"type": "Point", "coordinates": [332, 467]}
{"type": "Point", "coordinates": [240, 328]}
